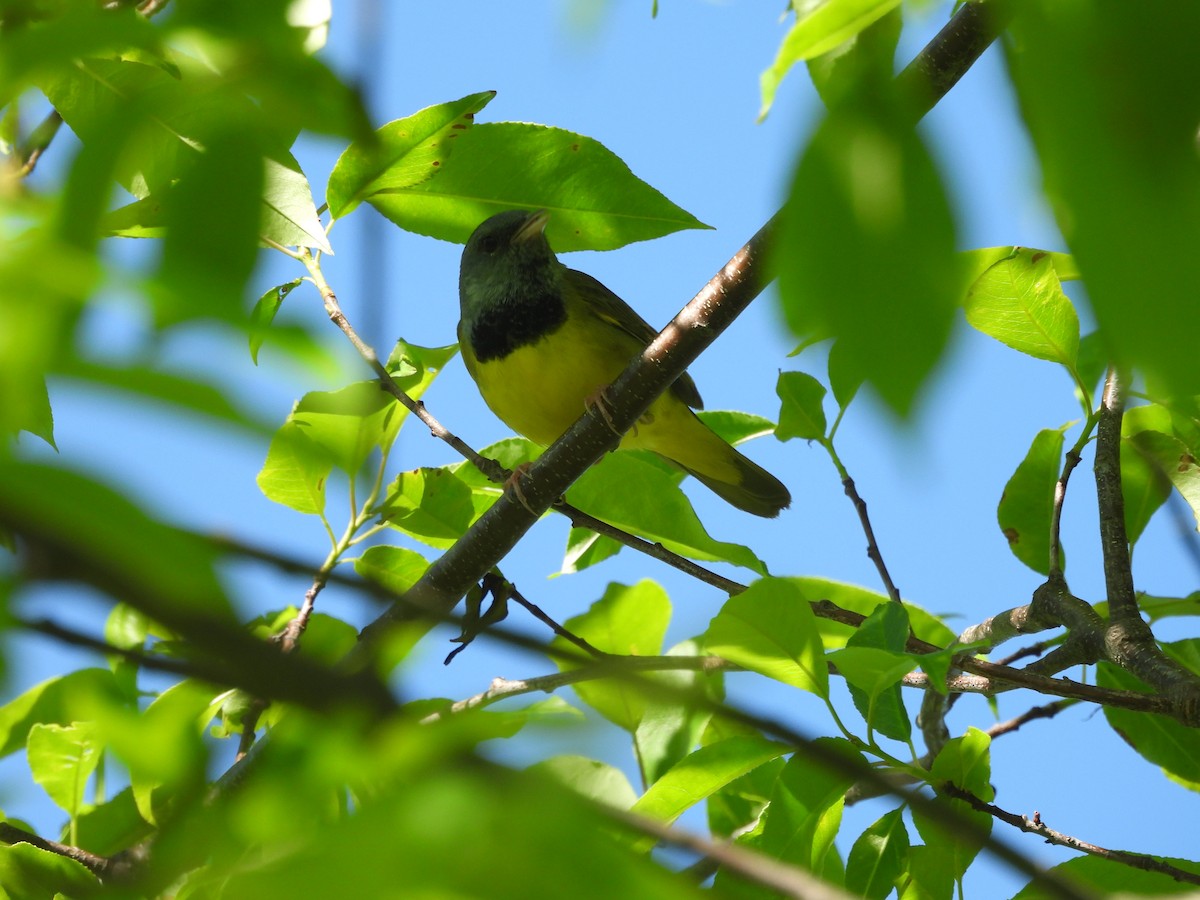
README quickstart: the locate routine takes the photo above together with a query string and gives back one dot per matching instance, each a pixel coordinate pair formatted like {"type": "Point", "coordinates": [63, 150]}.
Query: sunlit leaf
{"type": "Point", "coordinates": [1026, 506]}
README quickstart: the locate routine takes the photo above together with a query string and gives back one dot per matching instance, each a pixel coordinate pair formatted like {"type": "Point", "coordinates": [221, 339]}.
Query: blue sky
{"type": "Point", "coordinates": [677, 98]}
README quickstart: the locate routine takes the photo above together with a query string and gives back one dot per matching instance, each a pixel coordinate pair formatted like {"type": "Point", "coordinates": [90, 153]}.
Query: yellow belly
{"type": "Point", "coordinates": [540, 390]}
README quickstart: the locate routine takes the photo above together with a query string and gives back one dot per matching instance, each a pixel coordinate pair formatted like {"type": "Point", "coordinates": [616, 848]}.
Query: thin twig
{"type": "Point", "coordinates": [1047, 711]}
{"type": "Point", "coordinates": [1035, 825]}
{"type": "Point", "coordinates": [873, 551]}
{"type": "Point", "coordinates": [562, 632]}
{"type": "Point", "coordinates": [1060, 492]}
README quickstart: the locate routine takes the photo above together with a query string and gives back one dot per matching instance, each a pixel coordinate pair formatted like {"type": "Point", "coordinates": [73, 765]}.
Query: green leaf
{"type": "Point", "coordinates": [770, 628]}
{"type": "Point", "coordinates": [627, 620]}
{"type": "Point", "coordinates": [806, 808]}
{"type": "Point", "coordinates": [396, 568]}
{"type": "Point", "coordinates": [801, 414]}
{"type": "Point", "coordinates": [845, 378]}
{"type": "Point", "coordinates": [878, 857]}
{"type": "Point", "coordinates": [1117, 149]}
{"type": "Point", "coordinates": [859, 63]}
{"type": "Point", "coordinates": [402, 153]}
{"type": "Point", "coordinates": [636, 495]}
{"type": "Point", "coordinates": [699, 775]}
{"type": "Point", "coordinates": [29, 872]}
{"type": "Point", "coordinates": [1027, 504]}
{"type": "Point", "coordinates": [1161, 740]}
{"type": "Point", "coordinates": [1173, 461]}
{"type": "Point", "coordinates": [867, 218]}
{"type": "Point", "coordinates": [596, 203]}
{"type": "Point", "coordinates": [736, 427]}
{"type": "Point", "coordinates": [433, 505]}
{"type": "Point", "coordinates": [931, 872]}
{"type": "Point", "coordinates": [975, 263]}
{"type": "Point", "coordinates": [925, 625]}
{"type": "Point", "coordinates": [965, 763]}
{"type": "Point", "coordinates": [288, 215]}
{"type": "Point", "coordinates": [873, 663]}
{"type": "Point", "coordinates": [670, 728]}
{"type": "Point", "coordinates": [162, 747]}
{"type": "Point", "coordinates": [596, 780]}
{"type": "Point", "coordinates": [264, 313]}
{"type": "Point", "coordinates": [1109, 877]}
{"type": "Point", "coordinates": [58, 700]}
{"type": "Point", "coordinates": [295, 470]}
{"type": "Point", "coordinates": [1020, 303]}
{"type": "Point", "coordinates": [111, 827]}
{"type": "Point", "coordinates": [817, 30]}
{"type": "Point", "coordinates": [349, 423]}
{"type": "Point", "coordinates": [586, 548]}
{"type": "Point", "coordinates": [62, 758]}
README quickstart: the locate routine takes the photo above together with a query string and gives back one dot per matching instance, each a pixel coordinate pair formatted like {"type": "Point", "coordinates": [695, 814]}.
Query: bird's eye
{"type": "Point", "coordinates": [489, 244]}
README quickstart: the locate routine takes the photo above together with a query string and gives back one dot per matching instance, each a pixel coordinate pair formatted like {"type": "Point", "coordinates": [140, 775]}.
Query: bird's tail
{"type": "Point", "coordinates": [756, 491]}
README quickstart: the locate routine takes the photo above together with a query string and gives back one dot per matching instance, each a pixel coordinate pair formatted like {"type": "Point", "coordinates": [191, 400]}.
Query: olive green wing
{"type": "Point", "coordinates": [614, 311]}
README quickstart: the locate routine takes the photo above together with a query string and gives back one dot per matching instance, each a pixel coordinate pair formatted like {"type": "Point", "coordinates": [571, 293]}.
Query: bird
{"type": "Point", "coordinates": [542, 341]}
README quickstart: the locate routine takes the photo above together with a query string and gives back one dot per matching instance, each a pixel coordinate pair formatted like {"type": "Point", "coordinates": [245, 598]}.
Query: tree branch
{"type": "Point", "coordinates": [1036, 826]}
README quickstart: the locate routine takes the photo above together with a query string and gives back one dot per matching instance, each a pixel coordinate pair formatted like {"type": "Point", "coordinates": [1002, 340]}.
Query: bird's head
{"type": "Point", "coordinates": [507, 256]}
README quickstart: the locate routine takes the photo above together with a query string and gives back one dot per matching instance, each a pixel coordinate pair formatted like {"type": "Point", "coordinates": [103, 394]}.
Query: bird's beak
{"type": "Point", "coordinates": [532, 227]}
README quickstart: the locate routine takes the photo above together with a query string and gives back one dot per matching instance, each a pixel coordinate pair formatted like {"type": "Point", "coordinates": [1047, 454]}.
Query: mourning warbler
{"type": "Point", "coordinates": [540, 340]}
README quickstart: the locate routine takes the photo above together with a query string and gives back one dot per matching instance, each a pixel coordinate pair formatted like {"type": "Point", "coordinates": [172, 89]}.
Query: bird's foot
{"type": "Point", "coordinates": [514, 484]}
{"type": "Point", "coordinates": [599, 402]}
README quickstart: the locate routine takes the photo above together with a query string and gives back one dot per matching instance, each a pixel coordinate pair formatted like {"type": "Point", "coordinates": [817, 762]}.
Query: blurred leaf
{"type": "Point", "coordinates": [1020, 303]}
{"type": "Point", "coordinates": [769, 628]}
{"type": "Point", "coordinates": [740, 803]}
{"type": "Point", "coordinates": [28, 872]}
{"type": "Point", "coordinates": [34, 54]}
{"type": "Point", "coordinates": [111, 827]}
{"type": "Point", "coordinates": [877, 858]}
{"type": "Point", "coordinates": [593, 779]}
{"type": "Point", "coordinates": [1172, 459]}
{"type": "Point", "coordinates": [433, 505]}
{"type": "Point", "coordinates": [1116, 141]}
{"type": "Point", "coordinates": [211, 241]}
{"type": "Point", "coordinates": [546, 824]}
{"type": "Point", "coordinates": [627, 620]}
{"type": "Point", "coordinates": [597, 203]}
{"type": "Point", "coordinates": [162, 747]}
{"type": "Point", "coordinates": [36, 416]}
{"type": "Point", "coordinates": [402, 153]}
{"type": "Point", "coordinates": [1027, 504]}
{"type": "Point", "coordinates": [96, 534]}
{"type": "Point", "coordinates": [638, 496]}
{"type": "Point", "coordinates": [700, 774]}
{"type": "Point", "coordinates": [866, 249]}
{"type": "Point", "coordinates": [819, 28]}
{"type": "Point", "coordinates": [62, 758]}
{"type": "Point", "coordinates": [1160, 740]}
{"type": "Point", "coordinates": [59, 700]}
{"type": "Point", "coordinates": [801, 414]}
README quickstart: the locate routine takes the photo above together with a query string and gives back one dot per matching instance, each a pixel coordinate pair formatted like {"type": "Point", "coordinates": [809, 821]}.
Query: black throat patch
{"type": "Point", "coordinates": [522, 318]}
